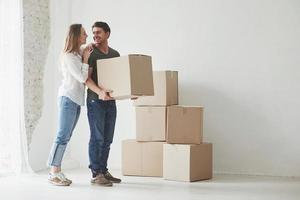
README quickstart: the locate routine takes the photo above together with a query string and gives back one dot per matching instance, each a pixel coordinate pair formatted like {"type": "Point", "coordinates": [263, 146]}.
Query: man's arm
{"type": "Point", "coordinates": [101, 91]}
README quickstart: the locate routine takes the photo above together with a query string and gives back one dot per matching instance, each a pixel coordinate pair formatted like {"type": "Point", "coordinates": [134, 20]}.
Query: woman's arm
{"type": "Point", "coordinates": [77, 69]}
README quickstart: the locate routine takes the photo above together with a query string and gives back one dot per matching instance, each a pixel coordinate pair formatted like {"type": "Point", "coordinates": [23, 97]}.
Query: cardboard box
{"type": "Point", "coordinates": [184, 124]}
{"type": "Point", "coordinates": [193, 162]}
{"type": "Point", "coordinates": [128, 76]}
{"type": "Point", "coordinates": [142, 158]}
{"type": "Point", "coordinates": [151, 123]}
{"type": "Point", "coordinates": [165, 90]}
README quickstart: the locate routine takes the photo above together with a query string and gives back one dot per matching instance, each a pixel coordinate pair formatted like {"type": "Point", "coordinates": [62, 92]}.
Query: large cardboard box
{"type": "Point", "coordinates": [184, 124]}
{"type": "Point", "coordinates": [193, 162]}
{"type": "Point", "coordinates": [142, 158]}
{"type": "Point", "coordinates": [165, 90]}
{"type": "Point", "coordinates": [128, 76]}
{"type": "Point", "coordinates": [151, 123]}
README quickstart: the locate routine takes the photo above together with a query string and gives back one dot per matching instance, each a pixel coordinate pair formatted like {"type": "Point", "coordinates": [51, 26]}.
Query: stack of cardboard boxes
{"type": "Point", "coordinates": [168, 136]}
{"type": "Point", "coordinates": [151, 128]}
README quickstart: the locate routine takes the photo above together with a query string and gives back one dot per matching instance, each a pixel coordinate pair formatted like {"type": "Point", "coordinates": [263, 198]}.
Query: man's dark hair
{"type": "Point", "coordinates": [102, 25]}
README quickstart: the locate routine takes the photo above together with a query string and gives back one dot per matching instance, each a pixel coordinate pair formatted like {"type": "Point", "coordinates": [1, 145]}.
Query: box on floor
{"type": "Point", "coordinates": [193, 162]}
{"type": "Point", "coordinates": [142, 158]}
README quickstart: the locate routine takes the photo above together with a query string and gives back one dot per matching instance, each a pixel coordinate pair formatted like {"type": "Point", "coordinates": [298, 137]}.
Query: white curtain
{"type": "Point", "coordinates": [13, 144]}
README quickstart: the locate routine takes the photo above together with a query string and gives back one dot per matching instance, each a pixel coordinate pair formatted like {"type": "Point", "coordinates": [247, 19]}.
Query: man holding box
{"type": "Point", "coordinates": [101, 109]}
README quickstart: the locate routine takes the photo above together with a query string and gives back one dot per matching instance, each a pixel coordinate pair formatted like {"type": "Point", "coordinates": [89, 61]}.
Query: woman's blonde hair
{"type": "Point", "coordinates": [72, 39]}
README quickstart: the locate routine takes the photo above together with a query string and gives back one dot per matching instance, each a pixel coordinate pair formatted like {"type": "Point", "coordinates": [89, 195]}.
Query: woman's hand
{"type": "Point", "coordinates": [86, 53]}
{"type": "Point", "coordinates": [90, 45]}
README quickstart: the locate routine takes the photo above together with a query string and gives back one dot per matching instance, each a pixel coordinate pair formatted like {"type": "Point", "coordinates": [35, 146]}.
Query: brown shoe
{"type": "Point", "coordinates": [101, 180]}
{"type": "Point", "coordinates": [108, 176]}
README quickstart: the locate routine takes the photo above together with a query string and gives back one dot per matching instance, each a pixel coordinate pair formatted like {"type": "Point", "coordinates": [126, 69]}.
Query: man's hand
{"type": "Point", "coordinates": [134, 98]}
{"type": "Point", "coordinates": [104, 94]}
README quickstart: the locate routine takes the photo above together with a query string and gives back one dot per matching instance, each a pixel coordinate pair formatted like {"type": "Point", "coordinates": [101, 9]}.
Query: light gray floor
{"type": "Point", "coordinates": [144, 188]}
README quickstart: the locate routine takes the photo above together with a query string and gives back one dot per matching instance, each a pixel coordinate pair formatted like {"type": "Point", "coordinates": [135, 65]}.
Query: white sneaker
{"type": "Point", "coordinates": [59, 179]}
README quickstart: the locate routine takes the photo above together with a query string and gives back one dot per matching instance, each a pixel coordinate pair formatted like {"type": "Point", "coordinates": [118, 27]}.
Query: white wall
{"type": "Point", "coordinates": [239, 59]}
{"type": "Point", "coordinates": [45, 131]}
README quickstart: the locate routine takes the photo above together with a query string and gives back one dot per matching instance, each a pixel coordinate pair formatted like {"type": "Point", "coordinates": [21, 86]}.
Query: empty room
{"type": "Point", "coordinates": [136, 99]}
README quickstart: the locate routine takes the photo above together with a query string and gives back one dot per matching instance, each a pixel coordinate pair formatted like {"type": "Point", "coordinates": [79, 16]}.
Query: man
{"type": "Point", "coordinates": [101, 112]}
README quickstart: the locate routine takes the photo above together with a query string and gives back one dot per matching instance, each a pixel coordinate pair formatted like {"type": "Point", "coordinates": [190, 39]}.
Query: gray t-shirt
{"type": "Point", "coordinates": [96, 55]}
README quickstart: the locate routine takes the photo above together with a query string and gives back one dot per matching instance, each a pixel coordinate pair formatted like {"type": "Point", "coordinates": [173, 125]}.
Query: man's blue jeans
{"type": "Point", "coordinates": [69, 113]}
{"type": "Point", "coordinates": [102, 118]}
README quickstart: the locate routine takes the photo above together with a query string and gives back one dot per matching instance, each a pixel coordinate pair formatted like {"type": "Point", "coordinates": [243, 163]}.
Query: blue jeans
{"type": "Point", "coordinates": [68, 116]}
{"type": "Point", "coordinates": [102, 118]}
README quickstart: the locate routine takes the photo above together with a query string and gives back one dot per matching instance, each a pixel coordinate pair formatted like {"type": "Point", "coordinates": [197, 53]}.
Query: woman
{"type": "Point", "coordinates": [71, 97]}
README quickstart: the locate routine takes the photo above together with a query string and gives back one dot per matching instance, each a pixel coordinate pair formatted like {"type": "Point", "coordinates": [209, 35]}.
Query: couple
{"type": "Point", "coordinates": [79, 69]}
